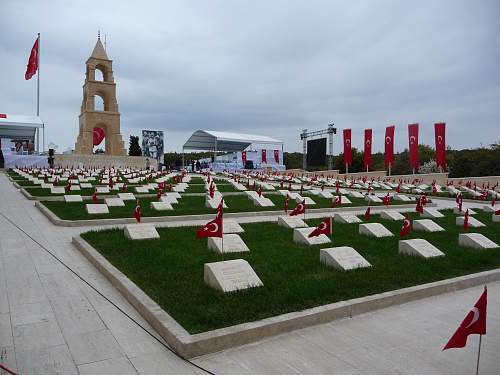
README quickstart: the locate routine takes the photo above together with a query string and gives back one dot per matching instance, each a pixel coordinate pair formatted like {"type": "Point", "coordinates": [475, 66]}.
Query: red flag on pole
{"type": "Point", "coordinates": [389, 145]}
{"type": "Point", "coordinates": [211, 229]}
{"type": "Point", "coordinates": [474, 323]}
{"type": "Point", "coordinates": [413, 144]}
{"type": "Point", "coordinates": [264, 156]}
{"type": "Point", "coordinates": [439, 132]}
{"type": "Point", "coordinates": [368, 213]}
{"type": "Point", "coordinates": [347, 147]}
{"type": "Point", "coordinates": [277, 156]}
{"type": "Point", "coordinates": [406, 228]}
{"type": "Point", "coordinates": [466, 220]}
{"type": "Point", "coordinates": [32, 66]}
{"type": "Point", "coordinates": [244, 157]}
{"type": "Point", "coordinates": [137, 212]}
{"type": "Point", "coordinates": [325, 227]}
{"type": "Point", "coordinates": [368, 149]}
{"type": "Point", "coordinates": [285, 205]}
{"type": "Point", "coordinates": [299, 209]}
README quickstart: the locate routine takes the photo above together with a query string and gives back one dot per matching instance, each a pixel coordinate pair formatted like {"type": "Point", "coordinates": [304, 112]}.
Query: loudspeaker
{"type": "Point", "coordinates": [51, 152]}
{"type": "Point", "coordinates": [249, 164]}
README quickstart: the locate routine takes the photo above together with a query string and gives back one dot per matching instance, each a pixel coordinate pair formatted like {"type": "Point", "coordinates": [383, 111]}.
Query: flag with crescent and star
{"type": "Point", "coordinates": [299, 209]}
{"type": "Point", "coordinates": [389, 145]}
{"type": "Point", "coordinates": [368, 213]}
{"type": "Point", "coordinates": [211, 229]}
{"type": "Point", "coordinates": [474, 323]}
{"type": "Point", "coordinates": [137, 212]}
{"type": "Point", "coordinates": [406, 228]}
{"type": "Point", "coordinates": [367, 161]}
{"type": "Point", "coordinates": [347, 147]}
{"type": "Point", "coordinates": [325, 227]}
{"type": "Point", "coordinates": [413, 144]}
{"type": "Point", "coordinates": [439, 132]}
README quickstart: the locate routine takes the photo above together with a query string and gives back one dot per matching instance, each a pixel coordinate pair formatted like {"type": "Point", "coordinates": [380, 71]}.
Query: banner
{"type": "Point", "coordinates": [277, 156]}
{"type": "Point", "coordinates": [152, 144]}
{"type": "Point", "coordinates": [439, 130]}
{"type": "Point", "coordinates": [243, 157]}
{"type": "Point", "coordinates": [413, 144]}
{"type": "Point", "coordinates": [368, 149]}
{"type": "Point", "coordinates": [264, 156]}
{"type": "Point", "coordinates": [389, 145]}
{"type": "Point", "coordinates": [347, 147]}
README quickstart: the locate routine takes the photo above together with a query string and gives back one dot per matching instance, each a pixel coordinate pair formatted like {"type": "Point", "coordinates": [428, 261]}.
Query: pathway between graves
{"type": "Point", "coordinates": [50, 322]}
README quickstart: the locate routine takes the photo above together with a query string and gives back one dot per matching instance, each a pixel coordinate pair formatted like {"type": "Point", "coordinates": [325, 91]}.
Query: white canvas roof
{"type": "Point", "coordinates": [225, 141]}
{"type": "Point", "coordinates": [19, 126]}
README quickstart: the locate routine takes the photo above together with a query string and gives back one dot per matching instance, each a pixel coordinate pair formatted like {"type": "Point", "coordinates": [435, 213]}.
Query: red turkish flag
{"type": "Point", "coordinates": [137, 212]}
{"type": "Point", "coordinates": [466, 220]}
{"type": "Point", "coordinates": [389, 145]}
{"type": "Point", "coordinates": [277, 156]}
{"type": "Point", "coordinates": [3, 115]}
{"type": "Point", "coordinates": [413, 144]}
{"type": "Point", "coordinates": [264, 156]}
{"type": "Point", "coordinates": [299, 209]}
{"type": "Point", "coordinates": [244, 157]}
{"type": "Point", "coordinates": [474, 323]}
{"type": "Point", "coordinates": [285, 205]}
{"type": "Point", "coordinates": [368, 213]}
{"type": "Point", "coordinates": [94, 198]}
{"type": "Point", "coordinates": [211, 229]}
{"type": "Point", "coordinates": [368, 149]}
{"type": "Point", "coordinates": [211, 190]}
{"type": "Point", "coordinates": [32, 66]}
{"type": "Point", "coordinates": [98, 136]}
{"type": "Point", "coordinates": [325, 227]}
{"type": "Point", "coordinates": [406, 228]}
{"type": "Point", "coordinates": [347, 147]}
{"type": "Point", "coordinates": [439, 132]}
{"type": "Point", "coordinates": [419, 208]}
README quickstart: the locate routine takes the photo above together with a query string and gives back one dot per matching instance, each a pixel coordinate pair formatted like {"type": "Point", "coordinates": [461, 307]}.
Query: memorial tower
{"type": "Point", "coordinates": [107, 118]}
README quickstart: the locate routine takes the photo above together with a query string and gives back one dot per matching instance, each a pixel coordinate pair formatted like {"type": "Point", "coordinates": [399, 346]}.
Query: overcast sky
{"type": "Point", "coordinates": [263, 67]}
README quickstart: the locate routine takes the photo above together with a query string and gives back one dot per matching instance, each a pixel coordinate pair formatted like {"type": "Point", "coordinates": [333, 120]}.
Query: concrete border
{"type": "Point", "coordinates": [272, 215]}
{"type": "Point", "coordinates": [195, 345]}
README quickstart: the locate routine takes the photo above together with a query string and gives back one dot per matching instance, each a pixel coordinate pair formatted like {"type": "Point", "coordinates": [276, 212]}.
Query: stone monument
{"type": "Point", "coordinates": [107, 119]}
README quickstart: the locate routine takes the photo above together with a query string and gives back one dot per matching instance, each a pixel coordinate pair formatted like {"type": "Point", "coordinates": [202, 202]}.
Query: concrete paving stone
{"type": "Point", "coordinates": [46, 361]}
{"type": "Point", "coordinates": [37, 335]}
{"type": "Point", "coordinates": [93, 346]}
{"type": "Point", "coordinates": [115, 366]}
{"type": "Point", "coordinates": [30, 313]}
{"type": "Point", "coordinates": [5, 330]}
{"type": "Point", "coordinates": [163, 363]}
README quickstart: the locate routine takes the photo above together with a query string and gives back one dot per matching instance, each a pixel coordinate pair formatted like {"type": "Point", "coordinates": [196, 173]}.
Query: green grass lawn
{"type": "Point", "coordinates": [188, 205]}
{"type": "Point", "coordinates": [170, 269]}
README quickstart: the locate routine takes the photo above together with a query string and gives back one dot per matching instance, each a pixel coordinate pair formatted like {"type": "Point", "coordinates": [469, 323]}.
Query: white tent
{"type": "Point", "coordinates": [21, 127]}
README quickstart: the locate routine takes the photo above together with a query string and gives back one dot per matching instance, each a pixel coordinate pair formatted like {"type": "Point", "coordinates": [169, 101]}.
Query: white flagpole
{"type": "Point", "coordinates": [38, 80]}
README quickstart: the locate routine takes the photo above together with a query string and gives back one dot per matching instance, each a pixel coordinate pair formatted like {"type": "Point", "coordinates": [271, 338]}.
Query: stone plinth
{"type": "Point", "coordinates": [476, 241]}
{"type": "Point", "coordinates": [419, 247]}
{"type": "Point", "coordinates": [427, 225]}
{"type": "Point", "coordinates": [343, 258]}
{"type": "Point", "coordinates": [291, 222]}
{"type": "Point", "coordinates": [230, 275]}
{"type": "Point", "coordinates": [140, 231]}
{"type": "Point", "coordinates": [300, 235]}
{"type": "Point", "coordinates": [232, 244]}
{"type": "Point", "coordinates": [374, 230]}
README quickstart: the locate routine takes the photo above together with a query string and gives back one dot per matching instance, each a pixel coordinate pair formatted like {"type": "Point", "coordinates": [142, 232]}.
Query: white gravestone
{"type": "Point", "coordinates": [73, 198]}
{"type": "Point", "coordinates": [373, 198]}
{"type": "Point", "coordinates": [343, 258]}
{"type": "Point", "coordinates": [473, 222]}
{"type": "Point", "coordinates": [291, 222]}
{"type": "Point", "coordinates": [213, 203]}
{"type": "Point", "coordinates": [57, 190]}
{"type": "Point", "coordinates": [343, 199]}
{"type": "Point", "coordinates": [419, 247]}
{"type": "Point", "coordinates": [432, 213]}
{"type": "Point", "coordinates": [456, 211]}
{"type": "Point", "coordinates": [86, 185]}
{"type": "Point", "coordinates": [391, 215]}
{"type": "Point", "coordinates": [356, 194]}
{"type": "Point", "coordinates": [95, 209]}
{"type": "Point", "coordinates": [46, 186]}
{"type": "Point", "coordinates": [346, 218]}
{"type": "Point", "coordinates": [161, 206]}
{"type": "Point", "coordinates": [102, 189]}
{"type": "Point", "coordinates": [140, 231]}
{"type": "Point", "coordinates": [308, 200]}
{"type": "Point", "coordinates": [169, 199]}
{"type": "Point", "coordinates": [231, 226]}
{"type": "Point", "coordinates": [114, 202]}
{"type": "Point", "coordinates": [300, 235]}
{"type": "Point", "coordinates": [486, 208]}
{"type": "Point", "coordinates": [230, 275]}
{"type": "Point", "coordinates": [232, 244]}
{"type": "Point", "coordinates": [141, 190]}
{"type": "Point", "coordinates": [374, 230]}
{"type": "Point", "coordinates": [126, 196]}
{"type": "Point", "coordinates": [426, 225]}
{"type": "Point", "coordinates": [495, 218]}
{"type": "Point", "coordinates": [401, 197]}
{"type": "Point", "coordinates": [476, 241]}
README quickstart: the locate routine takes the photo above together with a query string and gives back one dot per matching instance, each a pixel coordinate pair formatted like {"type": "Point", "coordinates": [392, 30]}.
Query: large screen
{"type": "Point", "coordinates": [152, 144]}
{"type": "Point", "coordinates": [316, 152]}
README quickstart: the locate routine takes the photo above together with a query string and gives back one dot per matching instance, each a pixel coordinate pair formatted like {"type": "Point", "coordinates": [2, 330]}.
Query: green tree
{"type": "Point", "coordinates": [134, 149]}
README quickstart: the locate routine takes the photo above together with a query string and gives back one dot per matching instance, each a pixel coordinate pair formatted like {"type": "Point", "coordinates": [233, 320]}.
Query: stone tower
{"type": "Point", "coordinates": [109, 118]}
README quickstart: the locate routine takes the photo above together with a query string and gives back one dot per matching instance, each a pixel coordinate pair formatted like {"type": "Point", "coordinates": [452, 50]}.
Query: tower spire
{"type": "Point", "coordinates": [98, 34]}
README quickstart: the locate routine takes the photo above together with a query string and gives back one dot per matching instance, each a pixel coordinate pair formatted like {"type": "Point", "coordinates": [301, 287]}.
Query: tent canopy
{"type": "Point", "coordinates": [19, 127]}
{"type": "Point", "coordinates": [225, 141]}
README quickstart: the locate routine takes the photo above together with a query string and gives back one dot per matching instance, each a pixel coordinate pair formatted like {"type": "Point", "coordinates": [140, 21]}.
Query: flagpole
{"type": "Point", "coordinates": [38, 80]}
{"type": "Point", "coordinates": [478, 354]}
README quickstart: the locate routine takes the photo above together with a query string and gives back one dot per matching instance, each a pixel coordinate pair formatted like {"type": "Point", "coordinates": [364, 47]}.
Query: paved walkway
{"type": "Point", "coordinates": [52, 323]}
